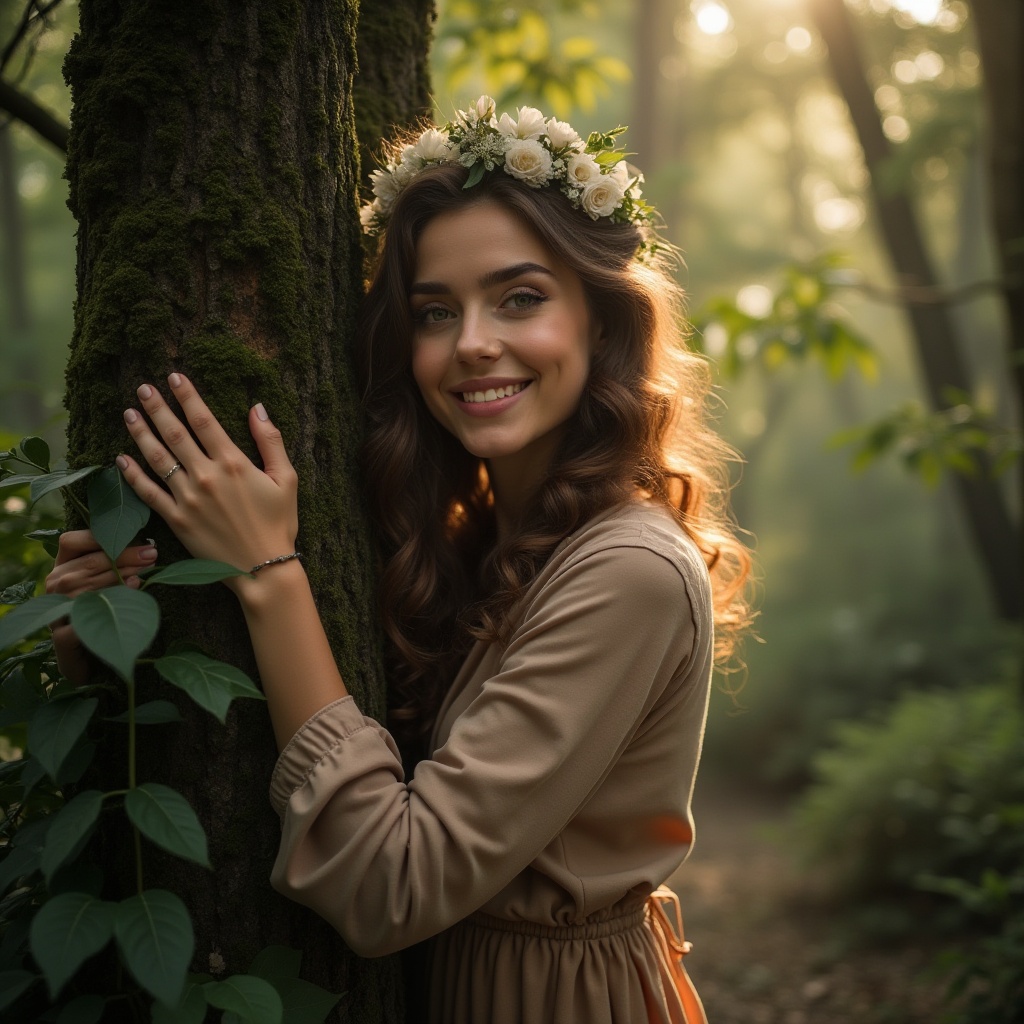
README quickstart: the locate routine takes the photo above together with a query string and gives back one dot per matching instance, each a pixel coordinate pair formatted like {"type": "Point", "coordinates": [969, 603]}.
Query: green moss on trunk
{"type": "Point", "coordinates": [213, 172]}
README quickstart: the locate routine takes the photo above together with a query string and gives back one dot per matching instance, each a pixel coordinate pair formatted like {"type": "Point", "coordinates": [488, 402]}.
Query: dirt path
{"type": "Point", "coordinates": [760, 955]}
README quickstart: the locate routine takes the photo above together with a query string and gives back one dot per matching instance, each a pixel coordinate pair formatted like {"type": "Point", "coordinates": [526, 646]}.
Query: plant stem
{"type": "Point", "coordinates": [77, 503]}
{"type": "Point", "coordinates": [132, 781]}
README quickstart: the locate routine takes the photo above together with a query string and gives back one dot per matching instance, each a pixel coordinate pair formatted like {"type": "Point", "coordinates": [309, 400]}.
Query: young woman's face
{"type": "Point", "coordinates": [502, 335]}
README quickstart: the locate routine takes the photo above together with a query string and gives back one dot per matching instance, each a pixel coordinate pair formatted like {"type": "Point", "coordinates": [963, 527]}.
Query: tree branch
{"type": "Point", "coordinates": [26, 110]}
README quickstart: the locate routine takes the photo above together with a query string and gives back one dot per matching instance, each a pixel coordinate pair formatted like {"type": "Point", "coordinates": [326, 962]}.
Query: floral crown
{"type": "Point", "coordinates": [593, 175]}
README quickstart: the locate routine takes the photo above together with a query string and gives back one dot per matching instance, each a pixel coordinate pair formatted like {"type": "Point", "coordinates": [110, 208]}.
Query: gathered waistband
{"type": "Point", "coordinates": [559, 933]}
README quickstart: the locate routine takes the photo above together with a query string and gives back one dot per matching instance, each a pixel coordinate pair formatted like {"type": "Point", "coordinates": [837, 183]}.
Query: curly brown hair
{"type": "Point", "coordinates": [640, 431]}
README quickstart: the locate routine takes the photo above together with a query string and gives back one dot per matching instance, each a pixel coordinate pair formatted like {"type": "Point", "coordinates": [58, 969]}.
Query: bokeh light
{"type": "Point", "coordinates": [712, 17]}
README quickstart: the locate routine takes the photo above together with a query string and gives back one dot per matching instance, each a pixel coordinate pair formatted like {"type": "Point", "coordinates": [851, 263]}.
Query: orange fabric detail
{"type": "Point", "coordinates": [672, 947]}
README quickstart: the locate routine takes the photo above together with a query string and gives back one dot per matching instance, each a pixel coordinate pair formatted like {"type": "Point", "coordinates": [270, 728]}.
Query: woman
{"type": "Point", "coordinates": [550, 510]}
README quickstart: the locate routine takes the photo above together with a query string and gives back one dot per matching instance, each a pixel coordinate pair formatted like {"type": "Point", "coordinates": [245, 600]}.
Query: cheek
{"type": "Point", "coordinates": [428, 368]}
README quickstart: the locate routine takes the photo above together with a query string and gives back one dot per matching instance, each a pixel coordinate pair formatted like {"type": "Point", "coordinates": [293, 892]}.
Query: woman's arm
{"type": "Point", "coordinates": [221, 506]}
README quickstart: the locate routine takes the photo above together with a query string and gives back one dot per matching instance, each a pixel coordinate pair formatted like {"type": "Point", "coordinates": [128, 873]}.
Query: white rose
{"type": "Point", "coordinates": [619, 173]}
{"type": "Point", "coordinates": [601, 198]}
{"type": "Point", "coordinates": [582, 169]}
{"type": "Point", "coordinates": [528, 161]}
{"type": "Point", "coordinates": [433, 144]}
{"type": "Point", "coordinates": [531, 124]}
{"type": "Point", "coordinates": [562, 134]}
{"type": "Point", "coordinates": [484, 108]}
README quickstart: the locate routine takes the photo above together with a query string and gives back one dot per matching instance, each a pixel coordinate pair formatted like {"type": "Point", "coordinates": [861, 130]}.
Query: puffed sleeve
{"type": "Point", "coordinates": [389, 862]}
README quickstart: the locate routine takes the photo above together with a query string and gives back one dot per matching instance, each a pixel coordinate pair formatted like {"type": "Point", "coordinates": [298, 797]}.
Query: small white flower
{"type": "Point", "coordinates": [506, 126]}
{"type": "Point", "coordinates": [601, 198]}
{"type": "Point", "coordinates": [385, 188]}
{"type": "Point", "coordinates": [367, 213]}
{"type": "Point", "coordinates": [562, 134]}
{"type": "Point", "coordinates": [433, 145]}
{"type": "Point", "coordinates": [529, 161]}
{"type": "Point", "coordinates": [582, 169]}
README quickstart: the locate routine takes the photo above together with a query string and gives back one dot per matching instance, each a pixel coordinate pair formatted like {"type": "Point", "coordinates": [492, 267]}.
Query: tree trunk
{"type": "Point", "coordinates": [213, 172]}
{"type": "Point", "coordinates": [993, 532]}
{"type": "Point", "coordinates": [1000, 30]}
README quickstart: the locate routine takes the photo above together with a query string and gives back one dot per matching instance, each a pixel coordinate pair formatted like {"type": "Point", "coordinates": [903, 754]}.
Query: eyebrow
{"type": "Point", "coordinates": [489, 279]}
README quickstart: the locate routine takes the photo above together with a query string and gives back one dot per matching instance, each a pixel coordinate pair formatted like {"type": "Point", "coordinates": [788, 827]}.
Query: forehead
{"type": "Point", "coordinates": [477, 238]}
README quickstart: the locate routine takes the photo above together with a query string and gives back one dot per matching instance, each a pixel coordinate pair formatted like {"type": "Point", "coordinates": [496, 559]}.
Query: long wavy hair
{"type": "Point", "coordinates": [640, 431]}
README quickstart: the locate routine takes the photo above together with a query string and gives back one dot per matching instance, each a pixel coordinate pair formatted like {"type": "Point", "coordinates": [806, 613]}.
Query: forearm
{"type": "Point", "coordinates": [297, 667]}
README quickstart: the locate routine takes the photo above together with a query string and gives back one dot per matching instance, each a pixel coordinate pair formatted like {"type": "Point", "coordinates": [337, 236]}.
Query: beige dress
{"type": "Point", "coordinates": [556, 799]}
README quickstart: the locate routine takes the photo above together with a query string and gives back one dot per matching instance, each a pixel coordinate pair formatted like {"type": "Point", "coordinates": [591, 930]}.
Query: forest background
{"type": "Point", "coordinates": [883, 696]}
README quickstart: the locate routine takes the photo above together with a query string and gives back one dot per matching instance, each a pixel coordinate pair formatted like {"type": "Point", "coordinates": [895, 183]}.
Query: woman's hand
{"type": "Point", "coordinates": [82, 565]}
{"type": "Point", "coordinates": [216, 501]}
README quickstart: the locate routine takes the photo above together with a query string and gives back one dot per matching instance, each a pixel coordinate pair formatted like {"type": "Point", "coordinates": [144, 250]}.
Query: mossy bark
{"type": "Point", "coordinates": [213, 171]}
{"type": "Point", "coordinates": [393, 84]}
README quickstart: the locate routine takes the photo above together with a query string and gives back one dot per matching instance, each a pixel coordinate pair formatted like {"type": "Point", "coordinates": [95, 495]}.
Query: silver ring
{"type": "Point", "coordinates": [174, 469]}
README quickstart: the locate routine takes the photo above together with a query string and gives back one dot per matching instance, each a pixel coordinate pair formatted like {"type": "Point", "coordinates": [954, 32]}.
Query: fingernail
{"type": "Point", "coordinates": [174, 380]}
{"type": "Point", "coordinates": [147, 554]}
{"type": "Point", "coordinates": [130, 415]}
{"type": "Point", "coordinates": [134, 582]}
{"type": "Point", "coordinates": [145, 392]}
{"type": "Point", "coordinates": [122, 462]}
{"type": "Point", "coordinates": [261, 413]}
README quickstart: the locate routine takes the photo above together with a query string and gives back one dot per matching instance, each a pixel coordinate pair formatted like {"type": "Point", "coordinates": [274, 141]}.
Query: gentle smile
{"type": "Point", "coordinates": [493, 394]}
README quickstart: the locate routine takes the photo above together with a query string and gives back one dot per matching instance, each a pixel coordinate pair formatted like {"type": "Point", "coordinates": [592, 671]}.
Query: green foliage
{"type": "Point", "coordinates": [53, 916]}
{"type": "Point", "coordinates": [930, 442]}
{"type": "Point", "coordinates": [512, 49]}
{"type": "Point", "coordinates": [802, 322]}
{"type": "Point", "coordinates": [933, 789]}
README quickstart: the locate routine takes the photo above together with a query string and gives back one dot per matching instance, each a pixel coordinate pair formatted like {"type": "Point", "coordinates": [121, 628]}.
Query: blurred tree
{"type": "Point", "coordinates": [213, 172]}
{"type": "Point", "coordinates": [939, 349]}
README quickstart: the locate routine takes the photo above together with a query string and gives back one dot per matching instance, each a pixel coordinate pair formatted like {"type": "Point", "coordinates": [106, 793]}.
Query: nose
{"type": "Point", "coordinates": [478, 339]}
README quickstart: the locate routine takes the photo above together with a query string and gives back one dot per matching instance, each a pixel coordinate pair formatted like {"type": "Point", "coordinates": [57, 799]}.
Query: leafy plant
{"type": "Point", "coordinates": [932, 791]}
{"type": "Point", "coordinates": [53, 917]}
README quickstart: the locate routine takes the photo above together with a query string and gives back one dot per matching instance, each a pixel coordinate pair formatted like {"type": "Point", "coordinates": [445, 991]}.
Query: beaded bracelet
{"type": "Point", "coordinates": [274, 561]}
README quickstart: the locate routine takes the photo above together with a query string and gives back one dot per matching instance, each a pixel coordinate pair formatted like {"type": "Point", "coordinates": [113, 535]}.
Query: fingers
{"type": "Point", "coordinates": [211, 434]}
{"type": "Point", "coordinates": [171, 443]}
{"type": "Point", "coordinates": [271, 445]}
{"type": "Point", "coordinates": [93, 571]}
{"type": "Point", "coordinates": [74, 543]}
{"type": "Point", "coordinates": [159, 500]}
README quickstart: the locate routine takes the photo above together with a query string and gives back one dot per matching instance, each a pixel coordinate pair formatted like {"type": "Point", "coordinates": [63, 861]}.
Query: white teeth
{"type": "Point", "coordinates": [491, 394]}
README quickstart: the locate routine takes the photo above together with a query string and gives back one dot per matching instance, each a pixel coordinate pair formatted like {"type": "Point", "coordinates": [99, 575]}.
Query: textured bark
{"type": "Point", "coordinates": [393, 84]}
{"type": "Point", "coordinates": [999, 26]}
{"type": "Point", "coordinates": [213, 172]}
{"type": "Point", "coordinates": [994, 534]}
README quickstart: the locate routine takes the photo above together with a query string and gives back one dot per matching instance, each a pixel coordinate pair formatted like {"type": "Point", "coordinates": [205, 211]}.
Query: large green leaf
{"type": "Point", "coordinates": [276, 962]}
{"type": "Point", "coordinates": [116, 512]}
{"type": "Point", "coordinates": [117, 624]}
{"type": "Point", "coordinates": [165, 817]}
{"type": "Point", "coordinates": [303, 1002]}
{"type": "Point", "coordinates": [251, 999]}
{"type": "Point", "coordinates": [31, 616]}
{"type": "Point", "coordinates": [58, 478]}
{"type": "Point", "coordinates": [190, 1009]}
{"type": "Point", "coordinates": [72, 826]}
{"type": "Point", "coordinates": [211, 684]}
{"type": "Point", "coordinates": [68, 930]}
{"type": "Point", "coordinates": [13, 984]}
{"type": "Point", "coordinates": [192, 571]}
{"type": "Point", "coordinates": [82, 1010]}
{"type": "Point", "coordinates": [154, 934]}
{"type": "Point", "coordinates": [55, 728]}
